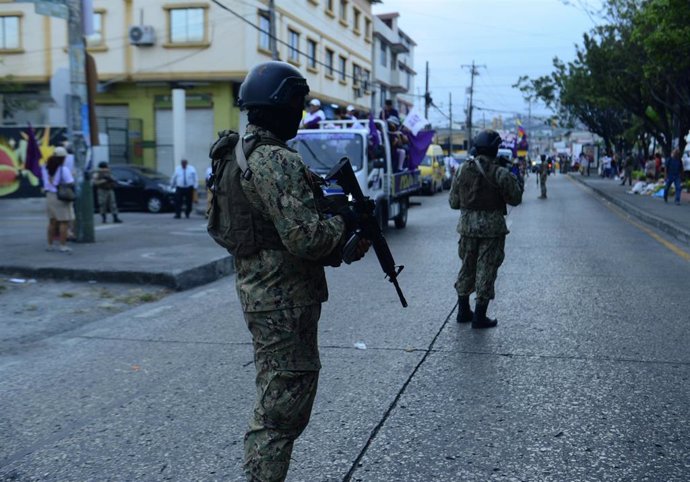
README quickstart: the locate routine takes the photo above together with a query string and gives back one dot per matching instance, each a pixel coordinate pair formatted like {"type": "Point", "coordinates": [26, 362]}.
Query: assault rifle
{"type": "Point", "coordinates": [344, 176]}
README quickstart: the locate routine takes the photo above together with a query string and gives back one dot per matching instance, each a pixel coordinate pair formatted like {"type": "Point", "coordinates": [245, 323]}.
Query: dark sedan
{"type": "Point", "coordinates": [141, 189]}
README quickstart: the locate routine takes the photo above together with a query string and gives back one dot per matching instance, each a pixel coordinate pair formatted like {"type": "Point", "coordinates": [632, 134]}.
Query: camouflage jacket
{"type": "Point", "coordinates": [486, 224]}
{"type": "Point", "coordinates": [277, 279]}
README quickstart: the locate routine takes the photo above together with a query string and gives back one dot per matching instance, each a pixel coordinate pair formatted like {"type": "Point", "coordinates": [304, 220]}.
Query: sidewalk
{"type": "Point", "coordinates": [669, 218]}
{"type": "Point", "coordinates": [145, 248]}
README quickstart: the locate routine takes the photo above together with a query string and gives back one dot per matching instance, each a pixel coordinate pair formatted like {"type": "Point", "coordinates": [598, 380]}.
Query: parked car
{"type": "Point", "coordinates": [141, 189]}
{"type": "Point", "coordinates": [432, 170]}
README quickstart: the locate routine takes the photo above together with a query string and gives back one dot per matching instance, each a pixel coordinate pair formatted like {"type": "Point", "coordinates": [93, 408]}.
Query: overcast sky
{"type": "Point", "coordinates": [509, 37]}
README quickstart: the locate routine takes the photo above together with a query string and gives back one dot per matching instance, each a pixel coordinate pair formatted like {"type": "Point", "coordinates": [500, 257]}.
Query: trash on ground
{"type": "Point", "coordinates": [360, 345]}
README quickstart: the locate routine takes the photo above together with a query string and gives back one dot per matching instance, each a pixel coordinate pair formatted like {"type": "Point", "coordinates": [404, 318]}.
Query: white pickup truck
{"type": "Point", "coordinates": [322, 148]}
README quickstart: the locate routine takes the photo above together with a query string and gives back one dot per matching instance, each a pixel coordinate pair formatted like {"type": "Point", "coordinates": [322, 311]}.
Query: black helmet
{"type": "Point", "coordinates": [487, 142]}
{"type": "Point", "coordinates": [272, 84]}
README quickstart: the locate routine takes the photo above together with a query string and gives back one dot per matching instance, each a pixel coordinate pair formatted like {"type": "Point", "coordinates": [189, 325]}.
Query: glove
{"type": "Point", "coordinates": [351, 218]}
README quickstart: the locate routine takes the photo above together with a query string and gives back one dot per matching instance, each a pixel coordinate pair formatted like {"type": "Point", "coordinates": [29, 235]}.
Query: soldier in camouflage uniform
{"type": "Point", "coordinates": [543, 175]}
{"type": "Point", "coordinates": [281, 281]}
{"type": "Point", "coordinates": [481, 188]}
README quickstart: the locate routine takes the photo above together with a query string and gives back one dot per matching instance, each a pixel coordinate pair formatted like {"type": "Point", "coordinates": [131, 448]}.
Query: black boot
{"type": "Point", "coordinates": [116, 219]}
{"type": "Point", "coordinates": [480, 319]}
{"type": "Point", "coordinates": [104, 218]}
{"type": "Point", "coordinates": [464, 311]}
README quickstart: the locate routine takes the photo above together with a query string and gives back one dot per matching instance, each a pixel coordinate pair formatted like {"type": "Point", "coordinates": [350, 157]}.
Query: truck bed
{"type": "Point", "coordinates": [405, 183]}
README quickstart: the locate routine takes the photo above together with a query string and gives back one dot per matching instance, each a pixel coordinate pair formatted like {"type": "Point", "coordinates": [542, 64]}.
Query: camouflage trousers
{"type": "Point", "coordinates": [287, 363]}
{"type": "Point", "coordinates": [481, 258]}
{"type": "Point", "coordinates": [106, 201]}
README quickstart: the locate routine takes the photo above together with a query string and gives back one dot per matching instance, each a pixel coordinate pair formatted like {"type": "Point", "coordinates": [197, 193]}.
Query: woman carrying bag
{"type": "Point", "coordinates": [58, 184]}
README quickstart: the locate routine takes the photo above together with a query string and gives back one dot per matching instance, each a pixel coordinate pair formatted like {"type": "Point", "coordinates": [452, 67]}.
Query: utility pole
{"type": "Point", "coordinates": [450, 128]}
{"type": "Point", "coordinates": [427, 95]}
{"type": "Point", "coordinates": [78, 118]}
{"type": "Point", "coordinates": [473, 73]}
{"type": "Point", "coordinates": [272, 28]}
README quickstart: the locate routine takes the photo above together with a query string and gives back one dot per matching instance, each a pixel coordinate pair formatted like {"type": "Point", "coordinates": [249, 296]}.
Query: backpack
{"type": "Point", "coordinates": [231, 221]}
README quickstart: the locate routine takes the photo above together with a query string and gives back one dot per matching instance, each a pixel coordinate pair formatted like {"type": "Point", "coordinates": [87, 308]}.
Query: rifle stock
{"type": "Point", "coordinates": [344, 176]}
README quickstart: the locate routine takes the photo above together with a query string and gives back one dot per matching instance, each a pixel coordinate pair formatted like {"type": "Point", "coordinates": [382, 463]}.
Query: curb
{"type": "Point", "coordinates": [177, 280]}
{"type": "Point", "coordinates": [668, 228]}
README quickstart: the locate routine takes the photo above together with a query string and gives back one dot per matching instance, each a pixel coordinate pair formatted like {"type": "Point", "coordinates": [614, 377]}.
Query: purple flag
{"type": "Point", "coordinates": [418, 147]}
{"type": "Point", "coordinates": [373, 132]}
{"type": "Point", "coordinates": [32, 161]}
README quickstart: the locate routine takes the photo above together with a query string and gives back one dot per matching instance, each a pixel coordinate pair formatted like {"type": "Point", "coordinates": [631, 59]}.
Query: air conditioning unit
{"type": "Point", "coordinates": [142, 35]}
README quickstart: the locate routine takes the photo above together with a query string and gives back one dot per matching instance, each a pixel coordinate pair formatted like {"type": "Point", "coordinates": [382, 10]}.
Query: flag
{"type": "Point", "coordinates": [373, 132]}
{"type": "Point", "coordinates": [32, 161]}
{"type": "Point", "coordinates": [415, 121]}
{"type": "Point", "coordinates": [418, 145]}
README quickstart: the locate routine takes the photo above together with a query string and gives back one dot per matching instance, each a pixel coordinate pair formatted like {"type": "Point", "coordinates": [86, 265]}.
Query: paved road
{"type": "Point", "coordinates": [586, 377]}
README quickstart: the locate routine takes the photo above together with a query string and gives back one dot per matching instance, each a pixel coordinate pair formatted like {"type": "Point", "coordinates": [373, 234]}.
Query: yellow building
{"type": "Point", "coordinates": [145, 48]}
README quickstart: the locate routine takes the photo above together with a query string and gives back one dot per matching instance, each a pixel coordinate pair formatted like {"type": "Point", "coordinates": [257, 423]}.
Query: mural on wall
{"type": "Point", "coordinates": [20, 161]}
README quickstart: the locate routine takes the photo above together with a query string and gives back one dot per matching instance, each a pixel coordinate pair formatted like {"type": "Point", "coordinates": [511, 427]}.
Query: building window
{"type": "Point", "coordinates": [10, 33]}
{"type": "Point", "coordinates": [366, 78]}
{"type": "Point", "coordinates": [293, 42]}
{"type": "Point", "coordinates": [367, 29]}
{"type": "Point", "coordinates": [311, 52]}
{"type": "Point", "coordinates": [343, 11]}
{"type": "Point", "coordinates": [384, 54]}
{"type": "Point", "coordinates": [97, 38]}
{"type": "Point", "coordinates": [329, 62]}
{"type": "Point", "coordinates": [356, 74]}
{"type": "Point", "coordinates": [394, 61]}
{"type": "Point", "coordinates": [187, 25]}
{"type": "Point", "coordinates": [329, 6]}
{"type": "Point", "coordinates": [264, 32]}
{"type": "Point", "coordinates": [343, 69]}
{"type": "Point", "coordinates": [355, 20]}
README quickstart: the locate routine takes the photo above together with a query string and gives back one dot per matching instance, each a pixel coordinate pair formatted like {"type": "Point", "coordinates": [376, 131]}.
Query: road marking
{"type": "Point", "coordinates": [627, 217]}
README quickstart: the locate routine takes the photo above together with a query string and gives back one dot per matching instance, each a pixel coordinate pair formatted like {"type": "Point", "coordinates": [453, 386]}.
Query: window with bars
{"type": "Point", "coordinates": [187, 25]}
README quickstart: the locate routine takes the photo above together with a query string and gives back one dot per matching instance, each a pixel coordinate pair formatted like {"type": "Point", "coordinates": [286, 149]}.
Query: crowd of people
{"type": "Point", "coordinates": [656, 170]}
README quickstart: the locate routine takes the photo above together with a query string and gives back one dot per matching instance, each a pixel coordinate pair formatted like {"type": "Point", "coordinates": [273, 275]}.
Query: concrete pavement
{"type": "Point", "coordinates": [673, 220]}
{"type": "Point", "coordinates": [145, 248]}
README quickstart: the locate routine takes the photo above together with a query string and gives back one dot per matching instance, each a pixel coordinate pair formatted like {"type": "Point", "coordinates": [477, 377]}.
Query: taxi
{"type": "Point", "coordinates": [432, 170]}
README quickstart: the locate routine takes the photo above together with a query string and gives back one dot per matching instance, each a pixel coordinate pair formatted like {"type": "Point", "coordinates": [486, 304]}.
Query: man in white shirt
{"type": "Point", "coordinates": [184, 181]}
{"type": "Point", "coordinates": [314, 116]}
{"type": "Point", "coordinates": [351, 114]}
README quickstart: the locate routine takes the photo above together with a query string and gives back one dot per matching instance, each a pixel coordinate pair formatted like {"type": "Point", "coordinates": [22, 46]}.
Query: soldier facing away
{"type": "Point", "coordinates": [283, 243]}
{"type": "Point", "coordinates": [481, 189]}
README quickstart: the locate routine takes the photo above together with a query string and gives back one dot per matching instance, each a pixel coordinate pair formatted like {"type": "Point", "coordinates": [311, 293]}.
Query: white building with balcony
{"type": "Point", "coordinates": [144, 48]}
{"type": "Point", "coordinates": [393, 60]}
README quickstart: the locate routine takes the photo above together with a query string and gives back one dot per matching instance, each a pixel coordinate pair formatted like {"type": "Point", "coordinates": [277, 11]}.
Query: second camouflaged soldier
{"type": "Point", "coordinates": [481, 189]}
{"type": "Point", "coordinates": [281, 242]}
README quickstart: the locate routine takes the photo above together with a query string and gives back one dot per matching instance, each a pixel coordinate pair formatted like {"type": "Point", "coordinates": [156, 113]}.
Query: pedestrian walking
{"type": "Point", "coordinates": [481, 189]}
{"type": "Point", "coordinates": [628, 166]}
{"type": "Point", "coordinates": [674, 175]}
{"type": "Point", "coordinates": [543, 175]}
{"type": "Point", "coordinates": [57, 177]}
{"type": "Point", "coordinates": [105, 184]}
{"type": "Point", "coordinates": [282, 244]}
{"type": "Point", "coordinates": [184, 180]}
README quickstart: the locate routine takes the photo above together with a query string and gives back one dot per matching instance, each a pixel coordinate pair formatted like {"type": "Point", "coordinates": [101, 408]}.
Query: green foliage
{"type": "Point", "coordinates": [629, 80]}
{"type": "Point", "coordinates": [639, 176]}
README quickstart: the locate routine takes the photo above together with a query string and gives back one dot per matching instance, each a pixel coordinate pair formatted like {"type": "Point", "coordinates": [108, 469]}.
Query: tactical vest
{"type": "Point", "coordinates": [479, 191]}
{"type": "Point", "coordinates": [233, 222]}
